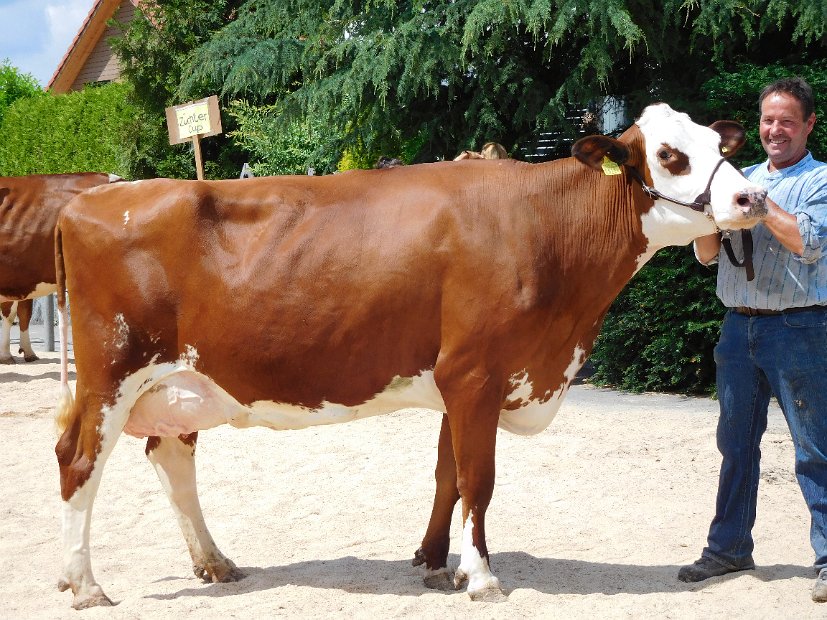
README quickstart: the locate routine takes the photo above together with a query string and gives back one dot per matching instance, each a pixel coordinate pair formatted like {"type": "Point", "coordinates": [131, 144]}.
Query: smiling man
{"type": "Point", "coordinates": [774, 338]}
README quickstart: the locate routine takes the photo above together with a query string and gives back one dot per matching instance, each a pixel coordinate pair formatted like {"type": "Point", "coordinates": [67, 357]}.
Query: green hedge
{"type": "Point", "coordinates": [95, 129]}
{"type": "Point", "coordinates": [660, 332]}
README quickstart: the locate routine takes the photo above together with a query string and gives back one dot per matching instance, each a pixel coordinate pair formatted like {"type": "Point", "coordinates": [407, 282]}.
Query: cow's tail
{"type": "Point", "coordinates": [65, 403]}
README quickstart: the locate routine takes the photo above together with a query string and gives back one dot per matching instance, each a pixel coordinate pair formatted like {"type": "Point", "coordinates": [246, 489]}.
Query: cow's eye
{"type": "Point", "coordinates": [664, 155]}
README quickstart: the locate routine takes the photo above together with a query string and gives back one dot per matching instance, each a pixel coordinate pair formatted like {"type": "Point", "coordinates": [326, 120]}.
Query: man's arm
{"type": "Point", "coordinates": [707, 248]}
{"type": "Point", "coordinates": [784, 227]}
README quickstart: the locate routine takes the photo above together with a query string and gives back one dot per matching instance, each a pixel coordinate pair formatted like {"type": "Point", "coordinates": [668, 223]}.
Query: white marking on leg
{"type": "Point", "coordinates": [77, 514]}
{"type": "Point", "coordinates": [26, 345]}
{"type": "Point", "coordinates": [175, 465]}
{"type": "Point", "coordinates": [5, 337]}
{"type": "Point", "coordinates": [472, 565]}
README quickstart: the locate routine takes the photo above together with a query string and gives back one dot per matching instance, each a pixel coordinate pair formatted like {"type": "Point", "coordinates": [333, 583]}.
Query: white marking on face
{"type": "Point", "coordinates": [537, 413]}
{"type": "Point", "coordinates": [126, 218]}
{"type": "Point", "coordinates": [674, 224]}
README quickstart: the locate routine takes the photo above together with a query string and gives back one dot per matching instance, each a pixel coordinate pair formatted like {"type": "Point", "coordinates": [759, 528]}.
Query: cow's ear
{"type": "Point", "coordinates": [732, 135]}
{"type": "Point", "coordinates": [591, 150]}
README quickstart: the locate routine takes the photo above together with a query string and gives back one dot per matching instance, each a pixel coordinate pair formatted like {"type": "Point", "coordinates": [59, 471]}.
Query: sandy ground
{"type": "Point", "coordinates": [590, 519]}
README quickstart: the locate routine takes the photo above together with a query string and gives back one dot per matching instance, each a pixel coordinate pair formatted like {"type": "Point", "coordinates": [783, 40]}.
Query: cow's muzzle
{"type": "Point", "coordinates": [752, 202]}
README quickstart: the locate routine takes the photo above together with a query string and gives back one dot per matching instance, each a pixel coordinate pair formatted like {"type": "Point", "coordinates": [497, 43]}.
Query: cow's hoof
{"type": "Point", "coordinates": [419, 557]}
{"type": "Point", "coordinates": [219, 572]}
{"type": "Point", "coordinates": [86, 601]}
{"type": "Point", "coordinates": [6, 360]}
{"type": "Point", "coordinates": [481, 588]}
{"type": "Point", "coordinates": [439, 580]}
{"type": "Point", "coordinates": [460, 577]}
{"type": "Point", "coordinates": [31, 358]}
{"type": "Point", "coordinates": [488, 595]}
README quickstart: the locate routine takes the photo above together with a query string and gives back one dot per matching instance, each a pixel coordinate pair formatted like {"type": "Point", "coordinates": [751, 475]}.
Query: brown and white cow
{"type": "Point", "coordinates": [29, 207]}
{"type": "Point", "coordinates": [473, 288]}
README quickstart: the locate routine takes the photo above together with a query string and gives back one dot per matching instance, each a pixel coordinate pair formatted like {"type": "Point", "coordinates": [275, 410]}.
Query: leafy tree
{"type": "Point", "coordinates": [450, 74]}
{"type": "Point", "coordinates": [15, 85]}
{"type": "Point", "coordinates": [153, 53]}
{"type": "Point", "coordinates": [277, 151]}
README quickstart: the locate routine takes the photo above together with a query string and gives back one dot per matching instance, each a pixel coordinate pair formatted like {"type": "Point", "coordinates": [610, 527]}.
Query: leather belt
{"type": "Point", "coordinates": [761, 312]}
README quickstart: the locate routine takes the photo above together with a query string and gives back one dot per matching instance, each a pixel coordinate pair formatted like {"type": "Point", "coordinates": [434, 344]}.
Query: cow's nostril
{"type": "Point", "coordinates": [743, 201]}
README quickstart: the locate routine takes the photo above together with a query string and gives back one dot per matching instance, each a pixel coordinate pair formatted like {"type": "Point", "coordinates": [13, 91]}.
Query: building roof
{"type": "Point", "coordinates": [87, 39]}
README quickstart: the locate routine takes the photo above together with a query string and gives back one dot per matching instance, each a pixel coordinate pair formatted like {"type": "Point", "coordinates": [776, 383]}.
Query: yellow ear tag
{"type": "Point", "coordinates": [609, 167]}
{"type": "Point", "coordinates": [724, 149]}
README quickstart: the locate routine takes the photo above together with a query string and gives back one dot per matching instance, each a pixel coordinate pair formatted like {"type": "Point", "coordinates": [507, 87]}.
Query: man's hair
{"type": "Point", "coordinates": [794, 86]}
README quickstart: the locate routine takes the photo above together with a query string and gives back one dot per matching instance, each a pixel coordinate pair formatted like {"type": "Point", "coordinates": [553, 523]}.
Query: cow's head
{"type": "Point", "coordinates": [680, 160]}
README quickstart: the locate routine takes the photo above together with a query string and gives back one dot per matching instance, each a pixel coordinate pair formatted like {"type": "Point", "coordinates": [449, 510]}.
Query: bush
{"type": "Point", "coordinates": [660, 332]}
{"type": "Point", "coordinates": [96, 129]}
{"type": "Point", "coordinates": [15, 85]}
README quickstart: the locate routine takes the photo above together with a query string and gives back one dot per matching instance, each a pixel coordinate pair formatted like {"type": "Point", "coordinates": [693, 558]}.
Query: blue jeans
{"type": "Point", "coordinates": [756, 358]}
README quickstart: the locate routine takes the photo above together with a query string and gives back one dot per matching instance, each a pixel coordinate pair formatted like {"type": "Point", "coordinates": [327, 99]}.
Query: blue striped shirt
{"type": "Point", "coordinates": [783, 279]}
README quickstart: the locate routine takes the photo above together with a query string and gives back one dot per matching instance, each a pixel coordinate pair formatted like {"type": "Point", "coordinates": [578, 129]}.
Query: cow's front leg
{"type": "Point", "coordinates": [25, 309]}
{"type": "Point", "coordinates": [174, 462]}
{"type": "Point", "coordinates": [434, 550]}
{"type": "Point", "coordinates": [473, 403]}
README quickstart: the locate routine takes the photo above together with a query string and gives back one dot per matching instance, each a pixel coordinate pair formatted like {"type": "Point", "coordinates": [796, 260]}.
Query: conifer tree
{"type": "Point", "coordinates": [452, 74]}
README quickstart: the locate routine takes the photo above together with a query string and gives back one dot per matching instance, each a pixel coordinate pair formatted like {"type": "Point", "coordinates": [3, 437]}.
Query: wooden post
{"type": "Point", "coordinates": [199, 164]}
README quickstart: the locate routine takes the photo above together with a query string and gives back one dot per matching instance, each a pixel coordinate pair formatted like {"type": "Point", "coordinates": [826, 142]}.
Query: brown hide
{"type": "Point", "coordinates": [29, 207]}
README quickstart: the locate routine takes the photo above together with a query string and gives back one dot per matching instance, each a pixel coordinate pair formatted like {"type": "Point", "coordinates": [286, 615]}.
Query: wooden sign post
{"type": "Point", "coordinates": [193, 121]}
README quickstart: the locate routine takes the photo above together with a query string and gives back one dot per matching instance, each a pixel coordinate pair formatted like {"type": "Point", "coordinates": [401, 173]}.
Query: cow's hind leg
{"type": "Point", "coordinates": [82, 450]}
{"type": "Point", "coordinates": [434, 550]}
{"type": "Point", "coordinates": [8, 312]}
{"type": "Point", "coordinates": [25, 310]}
{"type": "Point", "coordinates": [174, 462]}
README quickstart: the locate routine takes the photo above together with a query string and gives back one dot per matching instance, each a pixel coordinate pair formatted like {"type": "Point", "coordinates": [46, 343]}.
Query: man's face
{"type": "Point", "coordinates": [784, 130]}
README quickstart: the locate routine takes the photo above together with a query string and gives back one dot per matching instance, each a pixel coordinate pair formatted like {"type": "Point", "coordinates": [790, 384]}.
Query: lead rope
{"type": "Point", "coordinates": [746, 241]}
